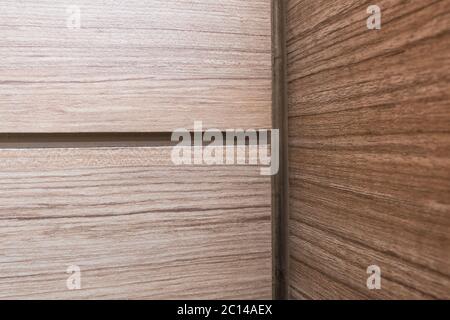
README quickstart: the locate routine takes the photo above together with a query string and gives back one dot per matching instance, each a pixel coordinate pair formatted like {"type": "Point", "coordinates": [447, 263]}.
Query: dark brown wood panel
{"type": "Point", "coordinates": [369, 149]}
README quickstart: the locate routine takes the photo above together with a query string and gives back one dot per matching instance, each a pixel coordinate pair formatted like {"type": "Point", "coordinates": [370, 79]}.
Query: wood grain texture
{"type": "Point", "coordinates": [138, 227]}
{"type": "Point", "coordinates": [280, 181]}
{"type": "Point", "coordinates": [369, 149]}
{"type": "Point", "coordinates": [134, 66]}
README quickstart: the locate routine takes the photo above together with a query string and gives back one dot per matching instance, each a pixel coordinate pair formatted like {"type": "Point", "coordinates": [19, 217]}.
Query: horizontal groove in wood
{"type": "Point", "coordinates": [137, 226]}
{"type": "Point", "coordinates": [109, 140]}
{"type": "Point", "coordinates": [80, 140]}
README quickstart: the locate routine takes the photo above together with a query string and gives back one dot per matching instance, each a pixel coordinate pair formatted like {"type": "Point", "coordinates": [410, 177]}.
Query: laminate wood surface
{"type": "Point", "coordinates": [369, 149]}
{"type": "Point", "coordinates": [136, 225]}
{"type": "Point", "coordinates": [134, 66]}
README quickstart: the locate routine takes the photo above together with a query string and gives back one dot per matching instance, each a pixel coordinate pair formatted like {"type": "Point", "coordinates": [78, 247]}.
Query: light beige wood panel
{"type": "Point", "coordinates": [369, 149]}
{"type": "Point", "coordinates": [137, 226]}
{"type": "Point", "coordinates": [134, 66]}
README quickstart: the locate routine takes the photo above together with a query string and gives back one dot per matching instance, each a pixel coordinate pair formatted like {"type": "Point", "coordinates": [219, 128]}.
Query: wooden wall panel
{"type": "Point", "coordinates": [137, 226]}
{"type": "Point", "coordinates": [369, 149]}
{"type": "Point", "coordinates": [134, 66]}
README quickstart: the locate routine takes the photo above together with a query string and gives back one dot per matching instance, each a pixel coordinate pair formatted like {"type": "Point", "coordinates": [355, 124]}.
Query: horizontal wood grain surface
{"type": "Point", "coordinates": [134, 66]}
{"type": "Point", "coordinates": [369, 149]}
{"type": "Point", "coordinates": [137, 226]}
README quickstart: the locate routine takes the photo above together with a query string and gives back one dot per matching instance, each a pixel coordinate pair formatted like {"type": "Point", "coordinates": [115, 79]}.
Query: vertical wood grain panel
{"type": "Point", "coordinates": [369, 149]}
{"type": "Point", "coordinates": [280, 182]}
{"type": "Point", "coordinates": [134, 66]}
{"type": "Point", "coordinates": [137, 226]}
